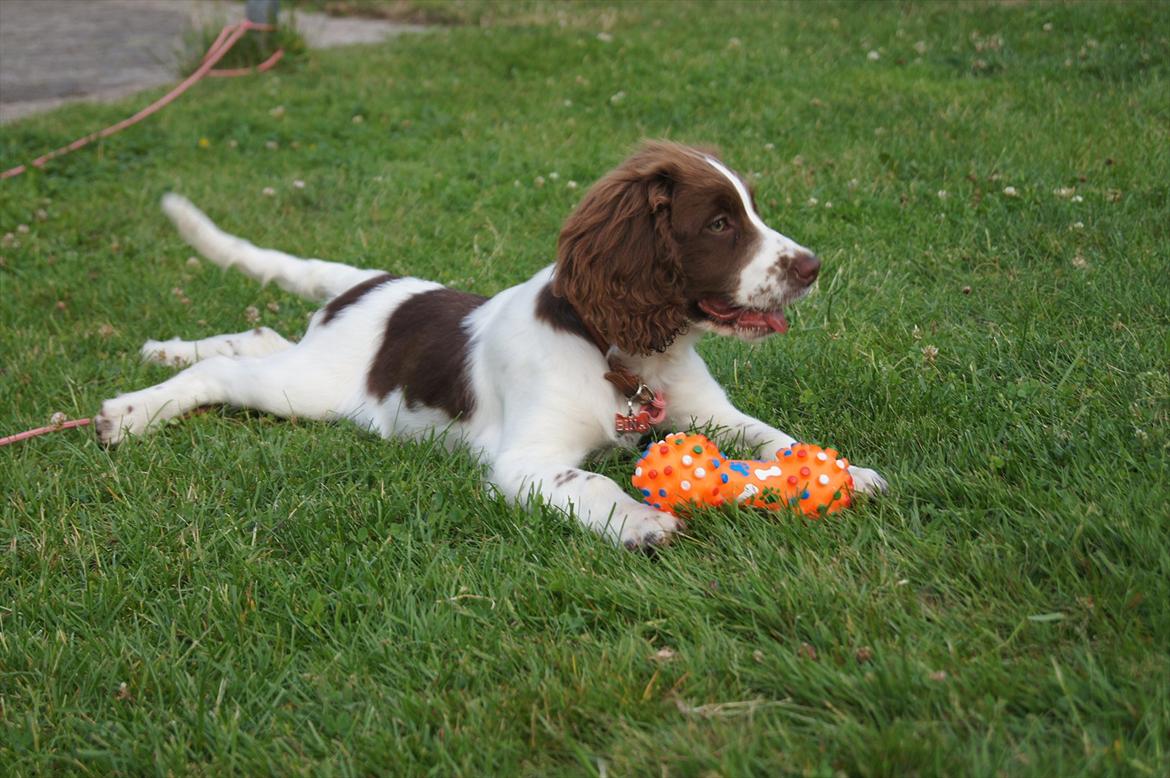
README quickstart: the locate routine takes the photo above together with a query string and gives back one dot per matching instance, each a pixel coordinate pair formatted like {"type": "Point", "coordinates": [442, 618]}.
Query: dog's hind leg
{"type": "Point", "coordinates": [257, 342]}
{"type": "Point", "coordinates": [314, 279]}
{"type": "Point", "coordinates": [308, 382]}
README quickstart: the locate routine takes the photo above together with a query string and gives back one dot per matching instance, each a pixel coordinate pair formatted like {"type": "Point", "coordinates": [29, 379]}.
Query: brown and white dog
{"type": "Point", "coordinates": [583, 355]}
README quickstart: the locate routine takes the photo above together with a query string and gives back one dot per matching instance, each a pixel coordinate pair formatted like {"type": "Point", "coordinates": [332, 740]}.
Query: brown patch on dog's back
{"type": "Point", "coordinates": [424, 352]}
{"type": "Point", "coordinates": [353, 294]}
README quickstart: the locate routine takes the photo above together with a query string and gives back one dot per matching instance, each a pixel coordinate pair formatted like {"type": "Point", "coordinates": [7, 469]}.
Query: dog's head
{"type": "Point", "coordinates": [669, 240]}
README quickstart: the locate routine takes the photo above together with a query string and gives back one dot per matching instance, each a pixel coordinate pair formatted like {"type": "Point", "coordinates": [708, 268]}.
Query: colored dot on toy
{"type": "Point", "coordinates": [645, 492]}
{"type": "Point", "coordinates": [841, 463]}
{"type": "Point", "coordinates": [804, 495]}
{"type": "Point", "coordinates": [803, 471]}
{"type": "Point", "coordinates": [822, 456]}
{"type": "Point", "coordinates": [715, 491]}
{"type": "Point", "coordinates": [688, 460]}
{"type": "Point", "coordinates": [700, 472]}
{"type": "Point", "coordinates": [724, 477]}
{"type": "Point", "coordinates": [667, 470]}
{"type": "Point", "coordinates": [685, 486]}
{"type": "Point", "coordinates": [663, 450]}
{"type": "Point", "coordinates": [658, 505]}
{"type": "Point", "coordinates": [678, 441]}
{"type": "Point", "coordinates": [653, 474]}
{"type": "Point", "coordinates": [698, 449]}
{"type": "Point", "coordinates": [661, 492]}
{"type": "Point", "coordinates": [802, 453]}
{"type": "Point", "coordinates": [714, 463]}
{"type": "Point", "coordinates": [638, 471]}
{"type": "Point", "coordinates": [823, 480]}
{"type": "Point", "coordinates": [788, 453]}
{"type": "Point", "coordinates": [837, 495]}
{"type": "Point", "coordinates": [792, 480]}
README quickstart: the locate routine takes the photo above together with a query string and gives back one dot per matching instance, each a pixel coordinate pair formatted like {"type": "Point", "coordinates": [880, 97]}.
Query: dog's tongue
{"type": "Point", "coordinates": [772, 320]}
{"type": "Point", "coordinates": [726, 312]}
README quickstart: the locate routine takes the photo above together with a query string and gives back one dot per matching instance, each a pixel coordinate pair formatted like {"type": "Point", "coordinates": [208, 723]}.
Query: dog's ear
{"type": "Point", "coordinates": [617, 261]}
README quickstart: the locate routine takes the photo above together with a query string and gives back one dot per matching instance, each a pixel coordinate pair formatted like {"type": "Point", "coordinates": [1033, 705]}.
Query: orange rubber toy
{"type": "Point", "coordinates": [683, 470]}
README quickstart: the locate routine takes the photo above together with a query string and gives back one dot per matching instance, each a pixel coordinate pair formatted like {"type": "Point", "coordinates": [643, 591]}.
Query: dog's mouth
{"type": "Point", "coordinates": [747, 322]}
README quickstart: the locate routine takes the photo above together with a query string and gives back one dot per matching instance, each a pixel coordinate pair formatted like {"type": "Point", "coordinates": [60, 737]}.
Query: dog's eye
{"type": "Point", "coordinates": [719, 225]}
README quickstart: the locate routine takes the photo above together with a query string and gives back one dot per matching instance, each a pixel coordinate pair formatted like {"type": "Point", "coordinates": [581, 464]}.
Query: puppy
{"type": "Point", "coordinates": [588, 353]}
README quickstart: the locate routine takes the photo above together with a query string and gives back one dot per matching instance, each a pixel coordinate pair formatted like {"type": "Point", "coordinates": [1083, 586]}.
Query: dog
{"type": "Point", "coordinates": [590, 352]}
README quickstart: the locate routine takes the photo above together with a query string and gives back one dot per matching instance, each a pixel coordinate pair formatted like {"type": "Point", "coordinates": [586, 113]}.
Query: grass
{"type": "Point", "coordinates": [238, 594]}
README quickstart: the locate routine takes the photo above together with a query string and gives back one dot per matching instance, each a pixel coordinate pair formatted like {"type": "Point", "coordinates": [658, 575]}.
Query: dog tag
{"type": "Point", "coordinates": [635, 422]}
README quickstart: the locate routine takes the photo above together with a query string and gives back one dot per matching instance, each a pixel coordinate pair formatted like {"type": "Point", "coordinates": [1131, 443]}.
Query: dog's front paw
{"type": "Point", "coordinates": [644, 528]}
{"type": "Point", "coordinates": [119, 418]}
{"type": "Point", "coordinates": [867, 481]}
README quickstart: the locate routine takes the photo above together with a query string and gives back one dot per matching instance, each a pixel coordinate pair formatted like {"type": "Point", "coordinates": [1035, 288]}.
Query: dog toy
{"type": "Point", "coordinates": [683, 470]}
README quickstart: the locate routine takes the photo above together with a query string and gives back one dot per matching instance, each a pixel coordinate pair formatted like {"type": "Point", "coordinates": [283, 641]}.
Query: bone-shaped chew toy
{"type": "Point", "coordinates": [689, 469]}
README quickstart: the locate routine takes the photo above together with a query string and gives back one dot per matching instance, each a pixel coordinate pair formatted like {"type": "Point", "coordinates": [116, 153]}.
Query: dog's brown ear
{"type": "Point", "coordinates": [617, 262]}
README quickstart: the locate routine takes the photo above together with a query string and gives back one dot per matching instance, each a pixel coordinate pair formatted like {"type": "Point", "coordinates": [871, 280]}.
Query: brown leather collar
{"type": "Point", "coordinates": [630, 384]}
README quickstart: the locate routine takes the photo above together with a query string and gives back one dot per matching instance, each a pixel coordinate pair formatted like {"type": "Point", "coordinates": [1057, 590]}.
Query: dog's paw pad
{"type": "Point", "coordinates": [119, 418]}
{"type": "Point", "coordinates": [648, 529]}
{"type": "Point", "coordinates": [172, 352]}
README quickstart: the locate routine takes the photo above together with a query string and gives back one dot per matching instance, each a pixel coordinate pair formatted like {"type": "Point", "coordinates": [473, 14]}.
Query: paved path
{"type": "Point", "coordinates": [54, 52]}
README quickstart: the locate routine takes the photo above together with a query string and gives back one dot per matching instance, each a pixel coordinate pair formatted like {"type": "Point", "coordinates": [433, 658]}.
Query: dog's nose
{"type": "Point", "coordinates": [805, 267]}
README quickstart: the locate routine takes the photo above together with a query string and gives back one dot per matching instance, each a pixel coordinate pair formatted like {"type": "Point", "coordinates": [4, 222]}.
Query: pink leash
{"type": "Point", "coordinates": [227, 38]}
{"type": "Point", "coordinates": [58, 424]}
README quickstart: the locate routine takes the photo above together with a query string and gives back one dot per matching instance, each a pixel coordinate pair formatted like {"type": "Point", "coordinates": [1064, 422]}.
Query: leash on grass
{"type": "Point", "coordinates": [227, 38]}
{"type": "Point", "coordinates": [223, 43]}
{"type": "Point", "coordinates": [59, 421]}
{"type": "Point", "coordinates": [56, 423]}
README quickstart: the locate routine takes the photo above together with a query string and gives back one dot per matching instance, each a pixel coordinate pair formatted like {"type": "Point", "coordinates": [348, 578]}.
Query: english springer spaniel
{"type": "Point", "coordinates": [588, 353]}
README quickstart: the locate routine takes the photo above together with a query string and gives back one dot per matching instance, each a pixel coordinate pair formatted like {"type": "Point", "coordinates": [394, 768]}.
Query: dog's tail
{"type": "Point", "coordinates": [315, 279]}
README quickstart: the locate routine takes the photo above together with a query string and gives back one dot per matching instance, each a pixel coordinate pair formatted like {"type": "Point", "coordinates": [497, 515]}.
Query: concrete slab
{"type": "Point", "coordinates": [54, 52]}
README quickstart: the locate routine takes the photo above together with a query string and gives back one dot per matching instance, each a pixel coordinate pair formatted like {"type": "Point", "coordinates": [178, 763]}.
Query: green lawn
{"type": "Point", "coordinates": [988, 186]}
